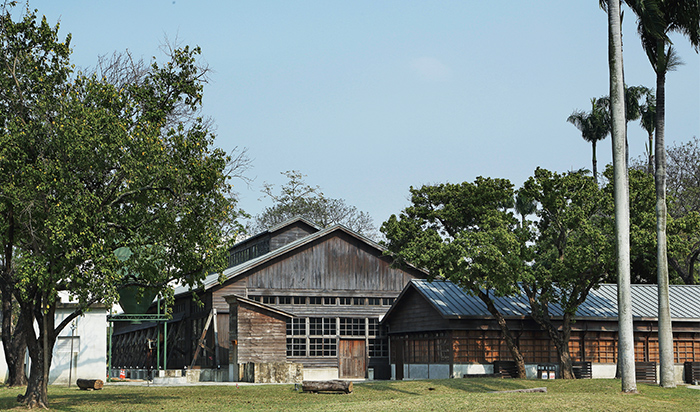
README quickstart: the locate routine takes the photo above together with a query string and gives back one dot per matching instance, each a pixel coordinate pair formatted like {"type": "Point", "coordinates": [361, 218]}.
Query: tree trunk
{"type": "Point", "coordinates": [327, 386]}
{"type": "Point", "coordinates": [560, 339]}
{"type": "Point", "coordinates": [621, 195]}
{"type": "Point", "coordinates": [90, 384]}
{"type": "Point", "coordinates": [40, 352]}
{"type": "Point", "coordinates": [595, 162]}
{"type": "Point", "coordinates": [510, 341]}
{"type": "Point", "coordinates": [13, 340]}
{"type": "Point", "coordinates": [666, 372]}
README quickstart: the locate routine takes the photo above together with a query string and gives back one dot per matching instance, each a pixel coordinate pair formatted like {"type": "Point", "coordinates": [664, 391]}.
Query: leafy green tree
{"type": "Point", "coordinates": [683, 177]}
{"type": "Point", "coordinates": [594, 126]}
{"type": "Point", "coordinates": [465, 233]}
{"type": "Point", "coordinates": [573, 249]}
{"type": "Point", "coordinates": [33, 67]}
{"type": "Point", "coordinates": [88, 168]}
{"type": "Point", "coordinates": [656, 20]}
{"type": "Point", "coordinates": [683, 233]}
{"type": "Point", "coordinates": [298, 199]}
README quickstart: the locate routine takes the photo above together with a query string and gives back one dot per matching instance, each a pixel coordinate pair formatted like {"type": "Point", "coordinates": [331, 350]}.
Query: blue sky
{"type": "Point", "coordinates": [368, 98]}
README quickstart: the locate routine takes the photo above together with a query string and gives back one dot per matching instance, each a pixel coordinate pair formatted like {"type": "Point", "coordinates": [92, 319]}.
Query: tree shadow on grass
{"type": "Point", "coordinates": [71, 400]}
{"type": "Point", "coordinates": [474, 385]}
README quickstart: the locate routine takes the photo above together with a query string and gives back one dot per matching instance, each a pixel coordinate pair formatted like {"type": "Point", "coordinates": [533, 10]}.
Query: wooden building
{"type": "Point", "coordinates": [330, 287]}
{"type": "Point", "coordinates": [437, 330]}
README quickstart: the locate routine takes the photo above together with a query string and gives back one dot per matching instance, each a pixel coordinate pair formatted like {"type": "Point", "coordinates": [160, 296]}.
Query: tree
{"type": "Point", "coordinates": [656, 19]}
{"type": "Point", "coordinates": [33, 64]}
{"type": "Point", "coordinates": [647, 120]}
{"type": "Point", "coordinates": [298, 199]}
{"type": "Point", "coordinates": [465, 233]}
{"type": "Point", "coordinates": [594, 126]}
{"type": "Point", "coordinates": [633, 109]}
{"type": "Point", "coordinates": [621, 196]}
{"type": "Point", "coordinates": [683, 233]}
{"type": "Point", "coordinates": [89, 168]}
{"type": "Point", "coordinates": [572, 251]}
{"type": "Point", "coordinates": [683, 177]}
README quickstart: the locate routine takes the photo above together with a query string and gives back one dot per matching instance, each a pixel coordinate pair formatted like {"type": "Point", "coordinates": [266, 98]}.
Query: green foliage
{"type": "Point", "coordinates": [574, 242]}
{"type": "Point", "coordinates": [87, 168]}
{"type": "Point", "coordinates": [462, 232]}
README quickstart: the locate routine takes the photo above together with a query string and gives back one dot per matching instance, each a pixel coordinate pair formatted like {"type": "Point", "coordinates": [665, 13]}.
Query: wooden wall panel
{"type": "Point", "coordinates": [261, 336]}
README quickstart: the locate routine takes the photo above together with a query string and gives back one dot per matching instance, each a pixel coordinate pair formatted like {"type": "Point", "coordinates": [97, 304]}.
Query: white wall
{"type": "Point", "coordinates": [89, 349]}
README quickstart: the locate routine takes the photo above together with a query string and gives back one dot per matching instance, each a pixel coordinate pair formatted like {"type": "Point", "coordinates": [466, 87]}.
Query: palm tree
{"type": "Point", "coordinates": [594, 126]}
{"type": "Point", "coordinates": [621, 195]}
{"type": "Point", "coordinates": [647, 120]}
{"type": "Point", "coordinates": [656, 19]}
{"type": "Point", "coordinates": [633, 110]}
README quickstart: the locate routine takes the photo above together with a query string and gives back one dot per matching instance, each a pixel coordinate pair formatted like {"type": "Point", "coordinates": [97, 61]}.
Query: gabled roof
{"type": "Point", "coordinates": [276, 228]}
{"type": "Point", "coordinates": [452, 302]}
{"type": "Point", "coordinates": [213, 279]}
{"type": "Point", "coordinates": [260, 305]}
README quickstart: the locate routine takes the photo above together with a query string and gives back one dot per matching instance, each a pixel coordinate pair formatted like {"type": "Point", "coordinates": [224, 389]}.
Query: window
{"type": "Point", "coordinates": [379, 347]}
{"type": "Point", "coordinates": [296, 327]}
{"type": "Point", "coordinates": [358, 301]}
{"type": "Point", "coordinates": [255, 298]}
{"type": "Point", "coordinates": [352, 327]}
{"type": "Point", "coordinates": [268, 300]}
{"type": "Point", "coordinates": [373, 327]}
{"type": "Point", "coordinates": [387, 301]}
{"type": "Point", "coordinates": [345, 301]}
{"type": "Point", "coordinates": [329, 301]}
{"type": "Point", "coordinates": [299, 300]}
{"type": "Point", "coordinates": [315, 300]}
{"type": "Point", "coordinates": [323, 347]}
{"type": "Point", "coordinates": [296, 346]}
{"type": "Point", "coordinates": [285, 300]}
{"type": "Point", "coordinates": [322, 326]}
{"type": "Point", "coordinates": [374, 301]}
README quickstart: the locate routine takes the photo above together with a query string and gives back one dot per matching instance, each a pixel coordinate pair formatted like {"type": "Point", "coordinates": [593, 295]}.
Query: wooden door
{"type": "Point", "coordinates": [398, 352]}
{"type": "Point", "coordinates": [352, 358]}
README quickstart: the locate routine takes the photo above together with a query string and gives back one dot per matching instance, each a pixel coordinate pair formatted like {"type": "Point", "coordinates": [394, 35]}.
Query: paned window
{"type": "Point", "coordinates": [323, 347]}
{"type": "Point", "coordinates": [379, 347]}
{"type": "Point", "coordinates": [296, 327]}
{"type": "Point", "coordinates": [352, 326]}
{"type": "Point", "coordinates": [296, 346]}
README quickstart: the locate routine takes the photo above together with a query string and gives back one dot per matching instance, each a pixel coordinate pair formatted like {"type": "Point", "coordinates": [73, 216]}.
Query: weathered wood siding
{"type": "Point", "coordinates": [413, 313]}
{"type": "Point", "coordinates": [325, 267]}
{"type": "Point", "coordinates": [289, 234]}
{"type": "Point", "coordinates": [261, 335]}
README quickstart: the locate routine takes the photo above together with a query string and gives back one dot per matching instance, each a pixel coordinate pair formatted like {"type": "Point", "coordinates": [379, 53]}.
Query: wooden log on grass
{"type": "Point", "coordinates": [90, 384]}
{"type": "Point", "coordinates": [327, 386]}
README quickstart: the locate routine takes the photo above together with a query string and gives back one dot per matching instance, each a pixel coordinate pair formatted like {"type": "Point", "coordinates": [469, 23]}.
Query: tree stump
{"type": "Point", "coordinates": [90, 384]}
{"type": "Point", "coordinates": [327, 386]}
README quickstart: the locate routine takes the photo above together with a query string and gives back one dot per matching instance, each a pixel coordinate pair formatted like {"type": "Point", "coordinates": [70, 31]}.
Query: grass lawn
{"type": "Point", "coordinates": [429, 395]}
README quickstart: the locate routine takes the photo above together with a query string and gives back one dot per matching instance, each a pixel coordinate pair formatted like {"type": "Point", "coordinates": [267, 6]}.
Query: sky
{"type": "Point", "coordinates": [369, 98]}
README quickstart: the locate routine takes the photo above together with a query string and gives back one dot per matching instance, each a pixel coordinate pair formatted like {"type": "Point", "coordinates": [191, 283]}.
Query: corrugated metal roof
{"type": "Point", "coordinates": [453, 302]}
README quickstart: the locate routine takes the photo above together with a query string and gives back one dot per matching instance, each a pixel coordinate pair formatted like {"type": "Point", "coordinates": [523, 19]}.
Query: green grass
{"type": "Point", "coordinates": [429, 395]}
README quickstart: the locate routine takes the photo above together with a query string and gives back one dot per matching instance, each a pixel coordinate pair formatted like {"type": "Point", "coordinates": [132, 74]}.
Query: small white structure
{"type": "Point", "coordinates": [80, 351]}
